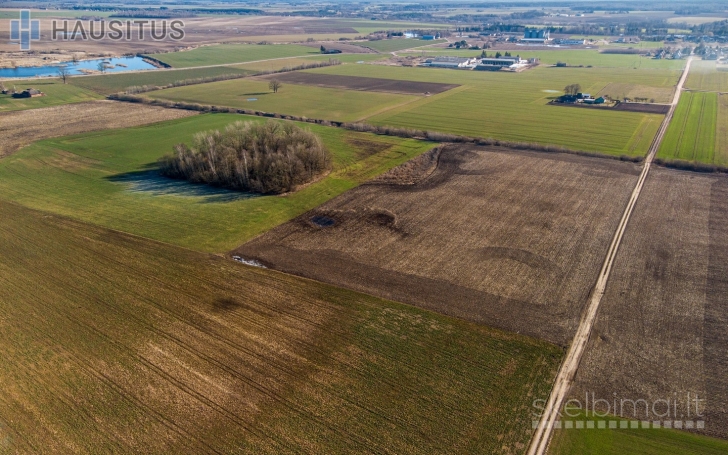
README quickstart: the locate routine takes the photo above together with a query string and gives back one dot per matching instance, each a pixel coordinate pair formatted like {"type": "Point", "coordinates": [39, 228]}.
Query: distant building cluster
{"type": "Point", "coordinates": [584, 98]}
{"type": "Point", "coordinates": [480, 63]}
{"type": "Point", "coordinates": [536, 35]}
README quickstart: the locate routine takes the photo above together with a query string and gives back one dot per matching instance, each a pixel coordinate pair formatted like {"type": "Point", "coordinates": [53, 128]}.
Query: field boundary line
{"type": "Point", "coordinates": [567, 371]}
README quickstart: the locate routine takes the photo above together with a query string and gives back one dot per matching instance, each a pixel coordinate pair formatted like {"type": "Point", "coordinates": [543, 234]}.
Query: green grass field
{"type": "Point", "coordinates": [222, 54]}
{"type": "Point", "coordinates": [513, 106]}
{"type": "Point", "coordinates": [292, 99]}
{"type": "Point", "coordinates": [691, 135]}
{"type": "Point", "coordinates": [704, 75]}
{"type": "Point", "coordinates": [56, 94]}
{"type": "Point", "coordinates": [104, 178]}
{"type": "Point", "coordinates": [117, 344]}
{"type": "Point", "coordinates": [632, 441]}
{"type": "Point", "coordinates": [277, 64]}
{"type": "Point", "coordinates": [393, 45]}
{"type": "Point", "coordinates": [113, 83]}
{"type": "Point", "coordinates": [721, 133]}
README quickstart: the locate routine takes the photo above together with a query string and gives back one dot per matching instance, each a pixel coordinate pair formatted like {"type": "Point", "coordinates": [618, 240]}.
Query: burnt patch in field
{"type": "Point", "coordinates": [368, 84]}
{"type": "Point", "coordinates": [323, 221]}
{"type": "Point", "coordinates": [350, 220]}
{"type": "Point", "coordinates": [509, 238]}
{"type": "Point", "coordinates": [225, 304]}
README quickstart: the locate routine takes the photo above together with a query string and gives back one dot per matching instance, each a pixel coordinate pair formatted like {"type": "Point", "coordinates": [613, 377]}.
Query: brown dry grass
{"type": "Point", "coordinates": [661, 328]}
{"type": "Point", "coordinates": [511, 239]}
{"type": "Point", "coordinates": [20, 128]}
{"type": "Point", "coordinates": [198, 30]}
{"type": "Point", "coordinates": [618, 90]}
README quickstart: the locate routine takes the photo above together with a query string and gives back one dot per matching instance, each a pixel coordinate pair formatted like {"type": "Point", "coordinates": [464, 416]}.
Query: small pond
{"type": "Point", "coordinates": [114, 65]}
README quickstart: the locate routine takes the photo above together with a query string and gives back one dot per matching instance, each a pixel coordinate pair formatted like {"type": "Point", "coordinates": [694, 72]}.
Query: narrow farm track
{"type": "Point", "coordinates": [567, 372]}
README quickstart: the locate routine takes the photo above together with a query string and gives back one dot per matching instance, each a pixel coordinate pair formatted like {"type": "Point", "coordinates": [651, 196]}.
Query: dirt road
{"type": "Point", "coordinates": [565, 377]}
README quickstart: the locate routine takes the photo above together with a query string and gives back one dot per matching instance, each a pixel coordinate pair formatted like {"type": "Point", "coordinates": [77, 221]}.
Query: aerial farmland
{"type": "Point", "coordinates": [344, 228]}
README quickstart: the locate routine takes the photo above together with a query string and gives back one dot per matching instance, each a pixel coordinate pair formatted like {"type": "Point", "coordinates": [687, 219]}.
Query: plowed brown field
{"type": "Point", "coordinates": [662, 327]}
{"type": "Point", "coordinates": [511, 239]}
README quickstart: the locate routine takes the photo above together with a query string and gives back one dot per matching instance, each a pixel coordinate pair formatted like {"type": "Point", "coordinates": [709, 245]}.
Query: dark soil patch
{"type": "Point", "coordinates": [641, 107]}
{"type": "Point", "coordinates": [368, 84]}
{"type": "Point", "coordinates": [323, 221]}
{"type": "Point", "coordinates": [365, 148]}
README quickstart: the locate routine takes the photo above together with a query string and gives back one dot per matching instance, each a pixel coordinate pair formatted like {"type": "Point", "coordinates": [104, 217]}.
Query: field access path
{"type": "Point", "coordinates": [567, 372]}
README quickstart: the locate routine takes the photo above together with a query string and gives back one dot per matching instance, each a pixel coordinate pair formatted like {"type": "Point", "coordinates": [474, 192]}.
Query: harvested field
{"type": "Point", "coordinates": [620, 90]}
{"type": "Point", "coordinates": [511, 239]}
{"type": "Point", "coordinates": [704, 75]}
{"type": "Point", "coordinates": [641, 107]}
{"type": "Point", "coordinates": [21, 128]}
{"type": "Point", "coordinates": [662, 328]}
{"type": "Point", "coordinates": [116, 344]}
{"type": "Point", "coordinates": [369, 84]}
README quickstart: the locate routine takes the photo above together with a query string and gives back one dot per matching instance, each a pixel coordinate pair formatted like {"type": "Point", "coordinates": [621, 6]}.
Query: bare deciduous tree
{"type": "Point", "coordinates": [572, 89]}
{"type": "Point", "coordinates": [63, 73]}
{"type": "Point", "coordinates": [275, 85]}
{"type": "Point", "coordinates": [101, 67]}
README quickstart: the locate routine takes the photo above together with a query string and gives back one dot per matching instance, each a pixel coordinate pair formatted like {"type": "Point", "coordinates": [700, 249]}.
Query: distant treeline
{"type": "Point", "coordinates": [148, 13]}
{"type": "Point", "coordinates": [268, 158]}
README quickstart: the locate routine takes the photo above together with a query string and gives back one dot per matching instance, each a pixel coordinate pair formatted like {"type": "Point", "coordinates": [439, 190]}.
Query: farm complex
{"type": "Point", "coordinates": [343, 228]}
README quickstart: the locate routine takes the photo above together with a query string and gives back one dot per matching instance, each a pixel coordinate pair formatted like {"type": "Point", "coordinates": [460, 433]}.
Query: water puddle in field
{"type": "Point", "coordinates": [323, 221]}
{"type": "Point", "coordinates": [252, 99]}
{"type": "Point", "coordinates": [252, 262]}
{"type": "Point", "coordinates": [551, 91]}
{"type": "Point", "coordinates": [154, 184]}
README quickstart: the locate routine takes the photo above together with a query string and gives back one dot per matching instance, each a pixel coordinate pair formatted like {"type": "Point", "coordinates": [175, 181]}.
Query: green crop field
{"type": "Point", "coordinates": [292, 99]}
{"type": "Point", "coordinates": [116, 344]}
{"type": "Point", "coordinates": [643, 441]}
{"type": "Point", "coordinates": [277, 64]}
{"type": "Point", "coordinates": [107, 178]}
{"type": "Point", "coordinates": [721, 134]}
{"type": "Point", "coordinates": [222, 54]}
{"type": "Point", "coordinates": [56, 94]}
{"type": "Point", "coordinates": [704, 75]}
{"type": "Point", "coordinates": [691, 135]}
{"type": "Point", "coordinates": [513, 106]}
{"type": "Point", "coordinates": [392, 45]}
{"type": "Point", "coordinates": [113, 83]}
